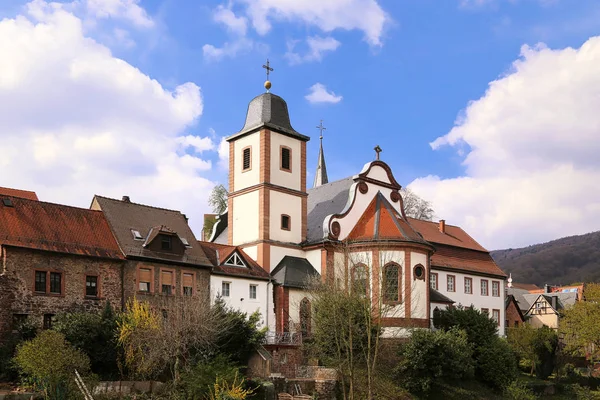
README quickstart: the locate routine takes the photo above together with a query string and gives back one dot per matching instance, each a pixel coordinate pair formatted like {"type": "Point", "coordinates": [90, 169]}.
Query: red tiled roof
{"type": "Point", "coordinates": [526, 286]}
{"type": "Point", "coordinates": [219, 253]}
{"type": "Point", "coordinates": [454, 235]}
{"type": "Point", "coordinates": [55, 227]}
{"type": "Point", "coordinates": [26, 194]}
{"type": "Point", "coordinates": [465, 260]}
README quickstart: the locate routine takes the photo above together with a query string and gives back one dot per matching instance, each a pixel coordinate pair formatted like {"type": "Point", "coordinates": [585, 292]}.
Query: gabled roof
{"type": "Point", "coordinates": [218, 254]}
{"type": "Point", "coordinates": [55, 227]}
{"type": "Point", "coordinates": [519, 294]}
{"type": "Point", "coordinates": [557, 301]}
{"type": "Point", "coordinates": [453, 235]}
{"type": "Point", "coordinates": [123, 216]}
{"type": "Point", "coordinates": [381, 221]}
{"type": "Point", "coordinates": [465, 260]}
{"type": "Point", "coordinates": [294, 272]}
{"type": "Point", "coordinates": [526, 286]}
{"type": "Point", "coordinates": [511, 299]}
{"type": "Point", "coordinates": [437, 297]}
{"type": "Point", "coordinates": [25, 194]}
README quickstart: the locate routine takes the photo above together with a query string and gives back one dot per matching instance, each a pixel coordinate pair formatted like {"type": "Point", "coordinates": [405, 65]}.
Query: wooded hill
{"type": "Point", "coordinates": [559, 262]}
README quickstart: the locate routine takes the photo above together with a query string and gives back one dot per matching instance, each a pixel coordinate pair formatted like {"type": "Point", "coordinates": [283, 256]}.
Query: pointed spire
{"type": "Point", "coordinates": [321, 173]}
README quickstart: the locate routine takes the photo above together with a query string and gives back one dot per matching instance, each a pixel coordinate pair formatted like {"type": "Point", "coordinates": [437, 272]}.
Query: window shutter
{"type": "Point", "coordinates": [167, 278]}
{"type": "Point", "coordinates": [145, 275]}
{"type": "Point", "coordinates": [246, 159]}
{"type": "Point", "coordinates": [188, 280]}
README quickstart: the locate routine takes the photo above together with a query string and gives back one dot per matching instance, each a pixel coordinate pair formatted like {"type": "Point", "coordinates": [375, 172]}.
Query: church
{"type": "Point", "coordinates": [353, 231]}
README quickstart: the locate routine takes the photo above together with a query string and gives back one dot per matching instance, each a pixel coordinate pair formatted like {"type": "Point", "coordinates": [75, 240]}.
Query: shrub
{"type": "Point", "coordinates": [545, 343]}
{"type": "Point", "coordinates": [50, 361]}
{"type": "Point", "coordinates": [197, 382]}
{"type": "Point", "coordinates": [518, 390]}
{"type": "Point", "coordinates": [497, 364]}
{"type": "Point", "coordinates": [26, 330]}
{"type": "Point", "coordinates": [480, 328]}
{"type": "Point", "coordinates": [224, 389]}
{"type": "Point", "coordinates": [433, 357]}
{"type": "Point", "coordinates": [95, 334]}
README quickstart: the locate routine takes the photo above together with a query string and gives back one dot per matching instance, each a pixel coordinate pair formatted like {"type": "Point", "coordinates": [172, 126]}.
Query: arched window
{"type": "Point", "coordinates": [360, 279]}
{"type": "Point", "coordinates": [305, 316]}
{"type": "Point", "coordinates": [391, 282]}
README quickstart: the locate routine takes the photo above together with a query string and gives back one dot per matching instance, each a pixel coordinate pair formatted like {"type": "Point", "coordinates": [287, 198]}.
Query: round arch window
{"type": "Point", "coordinates": [419, 272]}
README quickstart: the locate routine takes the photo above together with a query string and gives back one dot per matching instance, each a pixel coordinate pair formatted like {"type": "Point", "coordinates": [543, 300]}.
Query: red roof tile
{"type": "Point", "coordinates": [219, 253]}
{"type": "Point", "coordinates": [26, 194]}
{"type": "Point", "coordinates": [526, 286]}
{"type": "Point", "coordinates": [465, 260]}
{"type": "Point", "coordinates": [55, 227]}
{"type": "Point", "coordinates": [453, 236]}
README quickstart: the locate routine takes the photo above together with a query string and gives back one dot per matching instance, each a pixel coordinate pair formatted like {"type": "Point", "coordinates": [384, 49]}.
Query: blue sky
{"type": "Point", "coordinates": [134, 97]}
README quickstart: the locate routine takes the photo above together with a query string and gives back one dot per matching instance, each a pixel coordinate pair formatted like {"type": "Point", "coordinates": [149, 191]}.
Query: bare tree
{"type": "Point", "coordinates": [168, 333]}
{"type": "Point", "coordinates": [416, 207]}
{"type": "Point", "coordinates": [218, 199]}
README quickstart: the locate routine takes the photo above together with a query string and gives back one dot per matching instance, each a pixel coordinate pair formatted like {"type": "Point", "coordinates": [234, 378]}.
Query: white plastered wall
{"type": "Point", "coordinates": [252, 251]}
{"type": "Point", "coordinates": [476, 299]}
{"type": "Point", "coordinates": [277, 254]}
{"type": "Point", "coordinates": [288, 204]}
{"type": "Point", "coordinates": [418, 303]}
{"type": "Point", "coordinates": [292, 179]}
{"type": "Point", "coordinates": [396, 256]}
{"type": "Point", "coordinates": [242, 180]}
{"type": "Point", "coordinates": [296, 296]}
{"type": "Point", "coordinates": [314, 257]}
{"type": "Point", "coordinates": [239, 296]}
{"type": "Point", "coordinates": [245, 218]}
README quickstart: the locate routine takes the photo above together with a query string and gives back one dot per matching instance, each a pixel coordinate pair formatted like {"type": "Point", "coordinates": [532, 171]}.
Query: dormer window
{"type": "Point", "coordinates": [286, 159]}
{"type": "Point", "coordinates": [137, 235]}
{"type": "Point", "coordinates": [166, 242]}
{"type": "Point", "coordinates": [246, 159]}
{"type": "Point", "coordinates": [235, 261]}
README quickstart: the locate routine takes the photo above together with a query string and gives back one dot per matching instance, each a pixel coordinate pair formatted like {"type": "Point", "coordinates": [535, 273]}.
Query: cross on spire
{"type": "Point", "coordinates": [268, 69]}
{"type": "Point", "coordinates": [377, 150]}
{"type": "Point", "coordinates": [321, 128]}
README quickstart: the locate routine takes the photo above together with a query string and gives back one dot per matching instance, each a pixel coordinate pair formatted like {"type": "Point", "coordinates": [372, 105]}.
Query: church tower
{"type": "Point", "coordinates": [267, 182]}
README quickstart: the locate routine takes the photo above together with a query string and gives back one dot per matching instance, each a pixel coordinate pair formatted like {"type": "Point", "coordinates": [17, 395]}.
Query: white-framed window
{"type": "Point", "coordinates": [484, 287]}
{"type": "Point", "coordinates": [235, 261]}
{"type": "Point", "coordinates": [253, 289]}
{"type": "Point", "coordinates": [496, 316]}
{"type": "Point", "coordinates": [450, 283]}
{"type": "Point", "coordinates": [433, 280]}
{"type": "Point", "coordinates": [495, 288]}
{"type": "Point", "coordinates": [225, 289]}
{"type": "Point", "coordinates": [468, 285]}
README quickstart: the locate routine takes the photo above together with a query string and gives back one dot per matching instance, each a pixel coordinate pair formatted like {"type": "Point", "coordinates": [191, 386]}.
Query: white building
{"type": "Point", "coordinates": [296, 233]}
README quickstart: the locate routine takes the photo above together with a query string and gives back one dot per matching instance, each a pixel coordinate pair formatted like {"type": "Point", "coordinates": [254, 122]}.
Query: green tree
{"type": "Point", "coordinates": [480, 328]}
{"type": "Point", "coordinates": [496, 364]}
{"type": "Point", "coordinates": [50, 362]}
{"type": "Point", "coordinates": [432, 358]}
{"type": "Point", "coordinates": [521, 340]}
{"type": "Point", "coordinates": [579, 325]}
{"type": "Point", "coordinates": [95, 334]}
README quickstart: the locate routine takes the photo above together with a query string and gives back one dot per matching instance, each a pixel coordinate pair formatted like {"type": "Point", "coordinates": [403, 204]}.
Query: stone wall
{"type": "Point", "coordinates": [286, 359]}
{"type": "Point", "coordinates": [18, 297]}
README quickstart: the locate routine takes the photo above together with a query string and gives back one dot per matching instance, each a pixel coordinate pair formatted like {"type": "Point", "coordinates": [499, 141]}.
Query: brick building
{"type": "Point", "coordinates": [162, 254]}
{"type": "Point", "coordinates": [55, 258]}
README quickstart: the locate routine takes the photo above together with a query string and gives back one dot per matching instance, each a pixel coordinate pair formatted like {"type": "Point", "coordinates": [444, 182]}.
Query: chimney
{"type": "Point", "coordinates": [126, 199]}
{"type": "Point", "coordinates": [547, 288]}
{"type": "Point", "coordinates": [443, 225]}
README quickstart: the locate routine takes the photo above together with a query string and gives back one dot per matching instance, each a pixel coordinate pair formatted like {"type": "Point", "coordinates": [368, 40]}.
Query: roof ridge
{"type": "Point", "coordinates": [330, 183]}
{"type": "Point", "coordinates": [139, 204]}
{"type": "Point", "coordinates": [53, 204]}
{"type": "Point", "coordinates": [19, 190]}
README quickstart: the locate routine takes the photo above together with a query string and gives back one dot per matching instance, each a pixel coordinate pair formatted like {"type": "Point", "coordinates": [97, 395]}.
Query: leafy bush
{"type": "Point", "coordinates": [480, 328]}
{"type": "Point", "coordinates": [95, 334]}
{"type": "Point", "coordinates": [224, 389]}
{"type": "Point", "coordinates": [497, 364]}
{"type": "Point", "coordinates": [433, 357]}
{"type": "Point", "coordinates": [544, 345]}
{"type": "Point", "coordinates": [26, 330]}
{"type": "Point", "coordinates": [197, 382]}
{"type": "Point", "coordinates": [49, 361]}
{"type": "Point", "coordinates": [518, 390]}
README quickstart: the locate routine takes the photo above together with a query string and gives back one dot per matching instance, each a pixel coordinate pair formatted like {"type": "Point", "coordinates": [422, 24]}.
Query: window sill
{"type": "Point", "coordinates": [48, 294]}
{"type": "Point", "coordinates": [88, 297]}
{"type": "Point", "coordinates": [392, 303]}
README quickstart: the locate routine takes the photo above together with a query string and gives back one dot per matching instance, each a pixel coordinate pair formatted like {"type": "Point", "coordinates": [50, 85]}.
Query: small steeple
{"type": "Point", "coordinates": [321, 173]}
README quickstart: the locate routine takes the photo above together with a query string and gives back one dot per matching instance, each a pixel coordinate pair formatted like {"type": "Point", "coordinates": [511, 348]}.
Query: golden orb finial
{"type": "Point", "coordinates": [267, 85]}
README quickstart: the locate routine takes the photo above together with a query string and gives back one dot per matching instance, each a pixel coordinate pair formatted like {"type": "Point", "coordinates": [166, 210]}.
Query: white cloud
{"type": "Point", "coordinates": [319, 94]}
{"type": "Point", "coordinates": [229, 49]}
{"type": "Point", "coordinates": [122, 9]}
{"type": "Point", "coordinates": [78, 121]}
{"type": "Point", "coordinates": [316, 47]}
{"type": "Point", "coordinates": [531, 145]}
{"type": "Point", "coordinates": [224, 154]}
{"type": "Point", "coordinates": [235, 24]}
{"type": "Point", "coordinates": [364, 15]}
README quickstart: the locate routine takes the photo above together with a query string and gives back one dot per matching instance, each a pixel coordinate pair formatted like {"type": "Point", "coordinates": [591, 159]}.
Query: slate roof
{"type": "Point", "coordinates": [294, 272]}
{"type": "Point", "coordinates": [58, 228]}
{"type": "Point", "coordinates": [25, 194]}
{"type": "Point", "coordinates": [518, 294]}
{"type": "Point", "coordinates": [321, 172]}
{"type": "Point", "coordinates": [270, 111]}
{"type": "Point", "coordinates": [123, 216]}
{"type": "Point", "coordinates": [219, 226]}
{"type": "Point", "coordinates": [219, 253]}
{"type": "Point", "coordinates": [437, 297]}
{"type": "Point", "coordinates": [324, 200]}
